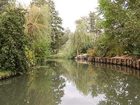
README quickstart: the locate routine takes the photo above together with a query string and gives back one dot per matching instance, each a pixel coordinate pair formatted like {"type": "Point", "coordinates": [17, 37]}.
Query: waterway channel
{"type": "Point", "coordinates": [63, 82]}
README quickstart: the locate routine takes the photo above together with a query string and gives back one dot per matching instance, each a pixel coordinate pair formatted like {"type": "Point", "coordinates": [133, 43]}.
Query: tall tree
{"type": "Point", "coordinates": [82, 39]}
{"type": "Point", "coordinates": [55, 23]}
{"type": "Point", "coordinates": [56, 28]}
{"type": "Point", "coordinates": [95, 27]}
{"type": "Point", "coordinates": [121, 24]}
{"type": "Point", "coordinates": [38, 29]}
{"type": "Point", "coordinates": [92, 21]}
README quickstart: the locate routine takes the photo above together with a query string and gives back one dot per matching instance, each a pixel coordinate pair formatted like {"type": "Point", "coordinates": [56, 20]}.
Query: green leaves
{"type": "Point", "coordinates": [56, 28]}
{"type": "Point", "coordinates": [38, 30]}
{"type": "Point", "coordinates": [13, 41]}
{"type": "Point", "coordinates": [44, 28]}
{"type": "Point", "coordinates": [121, 24]}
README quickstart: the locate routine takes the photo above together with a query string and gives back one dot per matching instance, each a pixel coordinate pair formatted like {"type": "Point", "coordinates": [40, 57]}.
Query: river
{"type": "Point", "coordinates": [69, 83]}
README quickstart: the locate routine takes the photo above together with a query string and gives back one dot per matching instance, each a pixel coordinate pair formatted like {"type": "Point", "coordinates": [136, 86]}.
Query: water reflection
{"type": "Point", "coordinates": [43, 86]}
{"type": "Point", "coordinates": [70, 83]}
{"type": "Point", "coordinates": [118, 87]}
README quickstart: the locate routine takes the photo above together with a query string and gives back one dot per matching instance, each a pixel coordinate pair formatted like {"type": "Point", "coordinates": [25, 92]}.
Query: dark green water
{"type": "Point", "coordinates": [71, 83]}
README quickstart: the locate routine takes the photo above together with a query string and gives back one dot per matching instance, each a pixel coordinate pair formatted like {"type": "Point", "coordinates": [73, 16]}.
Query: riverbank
{"type": "Point", "coordinates": [122, 61]}
{"type": "Point", "coordinates": [7, 74]}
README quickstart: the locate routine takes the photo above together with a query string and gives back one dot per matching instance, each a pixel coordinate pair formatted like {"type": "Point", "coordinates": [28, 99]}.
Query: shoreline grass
{"type": "Point", "coordinates": [6, 74]}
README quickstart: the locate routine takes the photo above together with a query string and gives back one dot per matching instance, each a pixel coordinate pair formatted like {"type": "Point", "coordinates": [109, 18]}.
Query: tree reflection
{"type": "Point", "coordinates": [43, 86]}
{"type": "Point", "coordinates": [118, 88]}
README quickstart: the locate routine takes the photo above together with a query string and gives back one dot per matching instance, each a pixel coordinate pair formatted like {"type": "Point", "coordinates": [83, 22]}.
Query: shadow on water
{"type": "Point", "coordinates": [55, 82]}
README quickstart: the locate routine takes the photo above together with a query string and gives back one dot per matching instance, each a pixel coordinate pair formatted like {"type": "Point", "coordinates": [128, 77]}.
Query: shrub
{"type": "Point", "coordinates": [13, 41]}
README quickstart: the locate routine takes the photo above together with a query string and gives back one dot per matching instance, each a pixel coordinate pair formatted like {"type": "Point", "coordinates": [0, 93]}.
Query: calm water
{"type": "Point", "coordinates": [71, 83]}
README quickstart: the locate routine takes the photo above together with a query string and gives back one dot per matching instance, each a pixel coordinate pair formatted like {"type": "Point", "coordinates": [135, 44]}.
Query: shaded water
{"type": "Point", "coordinates": [70, 83]}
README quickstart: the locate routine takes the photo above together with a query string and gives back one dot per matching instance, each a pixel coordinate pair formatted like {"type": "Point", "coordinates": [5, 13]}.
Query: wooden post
{"type": "Point", "coordinates": [138, 64]}
{"type": "Point", "coordinates": [94, 59]}
{"type": "Point", "coordinates": [122, 62]}
{"type": "Point", "coordinates": [127, 62]}
{"type": "Point", "coordinates": [134, 64]}
{"type": "Point", "coordinates": [113, 61]}
{"type": "Point", "coordinates": [117, 61]}
{"type": "Point", "coordinates": [131, 63]}
{"type": "Point", "coordinates": [108, 60]}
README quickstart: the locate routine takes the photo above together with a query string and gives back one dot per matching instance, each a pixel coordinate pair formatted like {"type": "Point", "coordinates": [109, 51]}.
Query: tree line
{"type": "Point", "coordinates": [27, 35]}
{"type": "Point", "coordinates": [36, 32]}
{"type": "Point", "coordinates": [112, 30]}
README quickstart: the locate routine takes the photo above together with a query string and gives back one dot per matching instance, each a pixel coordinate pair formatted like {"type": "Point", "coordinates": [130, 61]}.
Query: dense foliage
{"type": "Point", "coordinates": [56, 28]}
{"type": "Point", "coordinates": [13, 41]}
{"type": "Point", "coordinates": [84, 37]}
{"type": "Point", "coordinates": [38, 30]}
{"type": "Point", "coordinates": [121, 27]}
{"type": "Point", "coordinates": [27, 35]}
{"type": "Point", "coordinates": [37, 33]}
{"type": "Point", "coordinates": [113, 30]}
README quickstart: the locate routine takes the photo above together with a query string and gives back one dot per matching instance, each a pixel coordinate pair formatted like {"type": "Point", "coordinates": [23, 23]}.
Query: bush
{"type": "Point", "coordinates": [91, 52]}
{"type": "Point", "coordinates": [13, 41]}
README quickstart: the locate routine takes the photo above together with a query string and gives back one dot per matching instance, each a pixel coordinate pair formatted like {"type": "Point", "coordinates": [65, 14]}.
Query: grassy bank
{"type": "Point", "coordinates": [6, 74]}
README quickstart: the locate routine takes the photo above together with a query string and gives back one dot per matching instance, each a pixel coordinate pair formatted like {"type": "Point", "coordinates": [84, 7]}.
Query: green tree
{"type": "Point", "coordinates": [121, 24]}
{"type": "Point", "coordinates": [54, 24]}
{"type": "Point", "coordinates": [79, 41]}
{"type": "Point", "coordinates": [82, 39]}
{"type": "Point", "coordinates": [95, 26]}
{"type": "Point", "coordinates": [38, 29]}
{"type": "Point", "coordinates": [13, 41]}
{"type": "Point", "coordinates": [92, 21]}
{"type": "Point", "coordinates": [56, 28]}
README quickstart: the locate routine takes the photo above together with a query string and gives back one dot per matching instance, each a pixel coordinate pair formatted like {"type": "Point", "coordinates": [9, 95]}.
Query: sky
{"type": "Point", "coordinates": [71, 10]}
